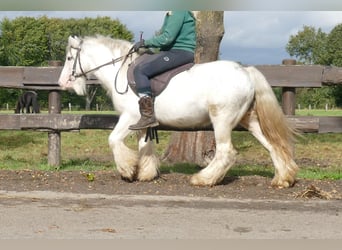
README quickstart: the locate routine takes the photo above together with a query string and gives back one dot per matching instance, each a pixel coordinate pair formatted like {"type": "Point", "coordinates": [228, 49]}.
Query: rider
{"type": "Point", "coordinates": [176, 42]}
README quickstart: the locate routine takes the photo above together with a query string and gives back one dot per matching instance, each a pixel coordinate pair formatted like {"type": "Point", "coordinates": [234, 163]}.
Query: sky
{"type": "Point", "coordinates": [251, 37]}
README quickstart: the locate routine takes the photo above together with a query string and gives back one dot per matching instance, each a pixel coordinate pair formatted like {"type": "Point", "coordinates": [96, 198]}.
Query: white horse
{"type": "Point", "coordinates": [221, 93]}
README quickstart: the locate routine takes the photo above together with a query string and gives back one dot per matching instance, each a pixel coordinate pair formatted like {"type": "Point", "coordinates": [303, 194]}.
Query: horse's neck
{"type": "Point", "coordinates": [113, 78]}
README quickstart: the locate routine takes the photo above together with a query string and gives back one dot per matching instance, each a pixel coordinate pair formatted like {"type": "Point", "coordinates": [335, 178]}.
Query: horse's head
{"type": "Point", "coordinates": [101, 56]}
{"type": "Point", "coordinates": [72, 76]}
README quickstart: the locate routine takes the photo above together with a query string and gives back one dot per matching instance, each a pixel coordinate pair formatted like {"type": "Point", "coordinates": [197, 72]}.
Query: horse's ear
{"type": "Point", "coordinates": [74, 41]}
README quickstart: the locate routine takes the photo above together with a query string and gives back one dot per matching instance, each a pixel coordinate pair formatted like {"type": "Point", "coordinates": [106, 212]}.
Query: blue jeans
{"type": "Point", "coordinates": [158, 63]}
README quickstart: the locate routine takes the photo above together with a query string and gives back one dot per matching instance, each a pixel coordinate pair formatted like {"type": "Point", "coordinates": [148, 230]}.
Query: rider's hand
{"type": "Point", "coordinates": [139, 45]}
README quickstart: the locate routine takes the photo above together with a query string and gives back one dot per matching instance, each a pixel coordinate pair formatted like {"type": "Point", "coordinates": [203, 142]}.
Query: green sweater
{"type": "Point", "coordinates": [178, 32]}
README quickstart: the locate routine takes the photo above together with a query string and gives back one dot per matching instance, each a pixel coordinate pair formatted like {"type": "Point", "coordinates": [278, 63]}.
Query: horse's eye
{"type": "Point", "coordinates": [69, 58]}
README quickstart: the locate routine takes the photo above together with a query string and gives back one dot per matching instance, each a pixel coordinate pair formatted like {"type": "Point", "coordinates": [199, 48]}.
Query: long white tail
{"type": "Point", "coordinates": [273, 123]}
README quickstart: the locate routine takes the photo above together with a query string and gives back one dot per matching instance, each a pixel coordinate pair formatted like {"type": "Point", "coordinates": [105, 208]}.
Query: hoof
{"type": "Point", "coordinates": [148, 174]}
{"type": "Point", "coordinates": [127, 179]}
{"type": "Point", "coordinates": [276, 182]}
{"type": "Point", "coordinates": [197, 180]}
{"type": "Point", "coordinates": [148, 178]}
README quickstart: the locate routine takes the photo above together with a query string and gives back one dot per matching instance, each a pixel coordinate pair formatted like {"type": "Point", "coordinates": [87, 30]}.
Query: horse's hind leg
{"type": "Point", "coordinates": [28, 103]}
{"type": "Point", "coordinates": [285, 167]}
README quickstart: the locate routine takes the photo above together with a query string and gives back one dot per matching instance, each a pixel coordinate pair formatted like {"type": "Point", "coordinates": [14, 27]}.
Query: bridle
{"type": "Point", "coordinates": [83, 73]}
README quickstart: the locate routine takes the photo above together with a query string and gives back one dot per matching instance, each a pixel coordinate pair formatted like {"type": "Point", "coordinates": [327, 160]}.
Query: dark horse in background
{"type": "Point", "coordinates": [25, 101]}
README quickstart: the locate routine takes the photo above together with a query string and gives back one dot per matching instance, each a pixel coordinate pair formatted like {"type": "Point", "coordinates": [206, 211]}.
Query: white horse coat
{"type": "Point", "coordinates": [221, 93]}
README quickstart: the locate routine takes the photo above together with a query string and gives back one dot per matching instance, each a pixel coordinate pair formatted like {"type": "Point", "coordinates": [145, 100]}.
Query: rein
{"type": "Point", "coordinates": [112, 62]}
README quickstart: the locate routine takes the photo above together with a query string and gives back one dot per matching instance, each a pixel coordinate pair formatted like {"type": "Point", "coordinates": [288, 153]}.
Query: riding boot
{"type": "Point", "coordinates": [147, 119]}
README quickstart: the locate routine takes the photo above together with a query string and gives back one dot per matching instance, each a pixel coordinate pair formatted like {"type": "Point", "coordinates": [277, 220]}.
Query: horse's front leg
{"type": "Point", "coordinates": [126, 159]}
{"type": "Point", "coordinates": [225, 155]}
{"type": "Point", "coordinates": [148, 167]}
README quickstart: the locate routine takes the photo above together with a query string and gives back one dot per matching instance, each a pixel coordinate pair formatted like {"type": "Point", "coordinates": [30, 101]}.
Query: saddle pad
{"type": "Point", "coordinates": [159, 82]}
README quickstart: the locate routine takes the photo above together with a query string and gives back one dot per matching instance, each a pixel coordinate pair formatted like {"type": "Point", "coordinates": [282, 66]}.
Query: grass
{"type": "Point", "coordinates": [331, 173]}
{"type": "Point", "coordinates": [319, 155]}
{"type": "Point", "coordinates": [319, 112]}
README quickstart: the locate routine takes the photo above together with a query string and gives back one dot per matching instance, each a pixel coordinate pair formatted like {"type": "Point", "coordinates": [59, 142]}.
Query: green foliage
{"type": "Point", "coordinates": [29, 41]}
{"type": "Point", "coordinates": [309, 46]}
{"type": "Point", "coordinates": [312, 46]}
{"type": "Point", "coordinates": [316, 97]}
{"type": "Point", "coordinates": [337, 95]}
{"type": "Point", "coordinates": [8, 96]}
{"type": "Point", "coordinates": [334, 46]}
{"type": "Point", "coordinates": [278, 93]}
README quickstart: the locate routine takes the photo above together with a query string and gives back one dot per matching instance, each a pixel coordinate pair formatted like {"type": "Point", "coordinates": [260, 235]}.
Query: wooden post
{"type": "Point", "coordinates": [54, 137]}
{"type": "Point", "coordinates": [289, 94]}
{"type": "Point", "coordinates": [289, 99]}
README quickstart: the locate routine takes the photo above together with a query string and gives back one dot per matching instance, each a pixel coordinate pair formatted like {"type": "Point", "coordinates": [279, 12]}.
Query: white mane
{"type": "Point", "coordinates": [107, 41]}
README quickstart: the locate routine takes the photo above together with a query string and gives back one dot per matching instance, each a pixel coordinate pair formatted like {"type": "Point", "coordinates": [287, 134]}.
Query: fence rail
{"type": "Point", "coordinates": [70, 122]}
{"type": "Point", "coordinates": [288, 76]}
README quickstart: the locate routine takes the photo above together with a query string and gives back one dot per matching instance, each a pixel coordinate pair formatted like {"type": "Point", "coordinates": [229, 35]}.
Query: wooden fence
{"type": "Point", "coordinates": [288, 76]}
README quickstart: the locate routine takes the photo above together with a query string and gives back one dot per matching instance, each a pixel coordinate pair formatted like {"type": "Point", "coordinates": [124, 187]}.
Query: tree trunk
{"type": "Point", "coordinates": [199, 147]}
{"type": "Point", "coordinates": [210, 31]}
{"type": "Point", "coordinates": [91, 92]}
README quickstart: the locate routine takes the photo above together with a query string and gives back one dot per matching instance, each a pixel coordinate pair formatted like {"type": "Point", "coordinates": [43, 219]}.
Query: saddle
{"type": "Point", "coordinates": [159, 82]}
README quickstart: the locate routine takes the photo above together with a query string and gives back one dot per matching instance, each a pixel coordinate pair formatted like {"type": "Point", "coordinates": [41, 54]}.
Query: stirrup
{"type": "Point", "coordinates": [134, 126]}
{"type": "Point", "coordinates": [152, 133]}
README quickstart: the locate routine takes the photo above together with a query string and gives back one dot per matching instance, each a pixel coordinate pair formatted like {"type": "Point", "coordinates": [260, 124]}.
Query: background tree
{"type": "Point", "coordinates": [334, 46]}
{"type": "Point", "coordinates": [199, 147]}
{"type": "Point", "coordinates": [309, 46]}
{"type": "Point", "coordinates": [335, 58]}
{"type": "Point", "coordinates": [312, 46]}
{"type": "Point", "coordinates": [28, 41]}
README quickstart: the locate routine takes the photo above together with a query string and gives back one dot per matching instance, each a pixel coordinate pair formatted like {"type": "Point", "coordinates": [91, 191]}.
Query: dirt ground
{"type": "Point", "coordinates": [110, 183]}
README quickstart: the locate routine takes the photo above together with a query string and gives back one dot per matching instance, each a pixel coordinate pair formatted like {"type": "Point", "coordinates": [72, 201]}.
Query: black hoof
{"type": "Point", "coordinates": [126, 179]}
